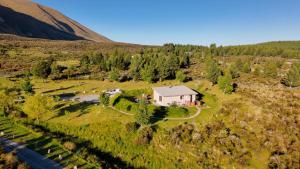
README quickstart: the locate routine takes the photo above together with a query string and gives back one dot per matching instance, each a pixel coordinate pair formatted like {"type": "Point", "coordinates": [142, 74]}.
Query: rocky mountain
{"type": "Point", "coordinates": [29, 19]}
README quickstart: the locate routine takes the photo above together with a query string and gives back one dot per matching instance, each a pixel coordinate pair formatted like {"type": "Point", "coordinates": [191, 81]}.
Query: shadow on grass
{"type": "Point", "coordinates": [159, 114]}
{"type": "Point", "coordinates": [82, 106]}
{"type": "Point", "coordinates": [85, 149]}
{"type": "Point", "coordinates": [55, 90]}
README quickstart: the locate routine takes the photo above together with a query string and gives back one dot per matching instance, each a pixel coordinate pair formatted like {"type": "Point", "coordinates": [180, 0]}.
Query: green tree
{"type": "Point", "coordinates": [6, 102]}
{"type": "Point", "coordinates": [180, 76]}
{"type": "Point", "coordinates": [292, 78]}
{"type": "Point", "coordinates": [114, 75]}
{"type": "Point", "coordinates": [42, 69]}
{"type": "Point", "coordinates": [246, 68]}
{"type": "Point", "coordinates": [225, 84]}
{"type": "Point", "coordinates": [270, 69]}
{"type": "Point", "coordinates": [234, 71]}
{"type": "Point", "coordinates": [257, 71]}
{"type": "Point", "coordinates": [104, 99]}
{"type": "Point", "coordinates": [135, 67]}
{"type": "Point", "coordinates": [143, 116]}
{"type": "Point", "coordinates": [26, 86]}
{"type": "Point", "coordinates": [38, 105]}
{"type": "Point", "coordinates": [239, 64]}
{"type": "Point", "coordinates": [148, 73]}
{"type": "Point", "coordinates": [212, 70]}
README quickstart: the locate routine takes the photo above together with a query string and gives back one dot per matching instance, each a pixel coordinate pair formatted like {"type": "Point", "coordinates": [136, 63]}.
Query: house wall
{"type": "Point", "coordinates": [167, 101]}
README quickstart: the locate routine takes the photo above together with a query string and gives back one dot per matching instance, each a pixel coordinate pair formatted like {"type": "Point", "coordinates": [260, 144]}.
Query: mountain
{"type": "Point", "coordinates": [29, 19]}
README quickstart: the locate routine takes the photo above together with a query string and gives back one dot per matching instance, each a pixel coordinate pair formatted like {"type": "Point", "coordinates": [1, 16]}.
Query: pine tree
{"type": "Point", "coordinates": [212, 71]}
{"type": "Point", "coordinates": [234, 72]}
{"type": "Point", "coordinates": [225, 84]}
{"type": "Point", "coordinates": [148, 73]}
{"type": "Point", "coordinates": [143, 117]}
{"type": "Point", "coordinates": [42, 69]}
{"type": "Point", "coordinates": [293, 76]}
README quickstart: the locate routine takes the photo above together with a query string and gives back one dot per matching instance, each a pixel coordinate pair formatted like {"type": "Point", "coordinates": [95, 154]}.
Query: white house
{"type": "Point", "coordinates": [179, 95]}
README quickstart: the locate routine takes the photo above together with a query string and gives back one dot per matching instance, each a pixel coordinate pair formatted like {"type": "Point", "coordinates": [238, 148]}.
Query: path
{"type": "Point", "coordinates": [166, 118]}
{"type": "Point", "coordinates": [31, 158]}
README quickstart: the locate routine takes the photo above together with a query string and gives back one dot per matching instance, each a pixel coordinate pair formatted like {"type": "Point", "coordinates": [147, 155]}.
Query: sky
{"type": "Point", "coordinates": [199, 22]}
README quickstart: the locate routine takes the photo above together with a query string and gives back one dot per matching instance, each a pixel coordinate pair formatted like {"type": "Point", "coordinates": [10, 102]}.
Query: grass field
{"type": "Point", "coordinates": [40, 143]}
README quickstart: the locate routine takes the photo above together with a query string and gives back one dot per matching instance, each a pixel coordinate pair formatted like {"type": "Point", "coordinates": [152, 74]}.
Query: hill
{"type": "Point", "coordinates": [29, 19]}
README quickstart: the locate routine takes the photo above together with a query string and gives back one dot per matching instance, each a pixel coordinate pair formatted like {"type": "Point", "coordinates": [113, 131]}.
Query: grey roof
{"type": "Point", "coordinates": [174, 91]}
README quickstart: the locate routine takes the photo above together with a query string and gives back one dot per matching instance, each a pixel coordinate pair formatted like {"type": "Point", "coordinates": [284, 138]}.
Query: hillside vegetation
{"type": "Point", "coordinates": [248, 96]}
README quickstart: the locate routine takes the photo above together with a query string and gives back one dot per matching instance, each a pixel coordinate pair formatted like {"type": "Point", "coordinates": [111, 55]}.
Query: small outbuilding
{"type": "Point", "coordinates": [170, 95]}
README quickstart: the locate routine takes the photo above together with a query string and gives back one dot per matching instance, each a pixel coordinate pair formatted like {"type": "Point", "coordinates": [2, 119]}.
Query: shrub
{"type": "Point", "coordinates": [70, 145]}
{"type": "Point", "coordinates": [225, 85]}
{"type": "Point", "coordinates": [212, 71]}
{"type": "Point", "coordinates": [143, 117]}
{"type": "Point", "coordinates": [234, 71]}
{"type": "Point", "coordinates": [246, 68]}
{"type": "Point", "coordinates": [180, 76]}
{"type": "Point", "coordinates": [270, 70]}
{"type": "Point", "coordinates": [144, 136]}
{"type": "Point", "coordinates": [132, 127]}
{"type": "Point", "coordinates": [114, 75]}
{"type": "Point", "coordinates": [104, 99]}
{"type": "Point", "coordinates": [26, 86]}
{"type": "Point", "coordinates": [292, 78]}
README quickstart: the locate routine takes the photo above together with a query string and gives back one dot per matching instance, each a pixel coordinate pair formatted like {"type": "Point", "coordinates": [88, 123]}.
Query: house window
{"type": "Point", "coordinates": [160, 98]}
{"type": "Point", "coordinates": [181, 97]}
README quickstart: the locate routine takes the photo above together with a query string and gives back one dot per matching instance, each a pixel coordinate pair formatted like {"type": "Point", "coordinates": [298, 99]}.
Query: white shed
{"type": "Point", "coordinates": [179, 95]}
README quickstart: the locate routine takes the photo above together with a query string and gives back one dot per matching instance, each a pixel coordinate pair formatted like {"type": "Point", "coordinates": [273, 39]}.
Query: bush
{"type": "Point", "coordinates": [292, 78]}
{"type": "Point", "coordinates": [144, 136]}
{"type": "Point", "coordinates": [225, 85]}
{"type": "Point", "coordinates": [234, 71]}
{"type": "Point", "coordinates": [114, 75]}
{"type": "Point", "coordinates": [143, 117]}
{"type": "Point", "coordinates": [26, 86]}
{"type": "Point", "coordinates": [104, 99]}
{"type": "Point", "coordinates": [70, 145]}
{"type": "Point", "coordinates": [180, 76]}
{"type": "Point", "coordinates": [246, 68]}
{"type": "Point", "coordinates": [270, 70]}
{"type": "Point", "coordinates": [132, 127]}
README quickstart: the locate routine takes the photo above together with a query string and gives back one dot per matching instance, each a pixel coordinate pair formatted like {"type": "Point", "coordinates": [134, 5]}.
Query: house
{"type": "Point", "coordinates": [169, 95]}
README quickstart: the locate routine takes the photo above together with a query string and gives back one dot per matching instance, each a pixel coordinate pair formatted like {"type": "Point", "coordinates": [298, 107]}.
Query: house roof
{"type": "Point", "coordinates": [174, 91]}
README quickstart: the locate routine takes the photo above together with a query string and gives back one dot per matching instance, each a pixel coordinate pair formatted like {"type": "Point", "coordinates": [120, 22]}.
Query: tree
{"type": "Point", "coordinates": [212, 70]}
{"type": "Point", "coordinates": [270, 70]}
{"type": "Point", "coordinates": [85, 62]}
{"type": "Point", "coordinates": [234, 72]}
{"type": "Point", "coordinates": [26, 86]}
{"type": "Point", "coordinates": [257, 71]}
{"type": "Point", "coordinates": [292, 78]}
{"type": "Point", "coordinates": [239, 64]}
{"type": "Point", "coordinates": [135, 67]}
{"type": "Point", "coordinates": [148, 73]}
{"type": "Point", "coordinates": [225, 84]}
{"type": "Point", "coordinates": [180, 76]}
{"type": "Point", "coordinates": [104, 99]}
{"type": "Point", "coordinates": [246, 68]}
{"type": "Point", "coordinates": [42, 69]}
{"type": "Point", "coordinates": [6, 102]}
{"type": "Point", "coordinates": [143, 117]}
{"type": "Point", "coordinates": [38, 105]}
{"type": "Point", "coordinates": [114, 75]}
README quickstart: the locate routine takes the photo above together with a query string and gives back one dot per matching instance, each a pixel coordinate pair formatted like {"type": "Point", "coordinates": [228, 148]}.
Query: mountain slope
{"type": "Point", "coordinates": [26, 18]}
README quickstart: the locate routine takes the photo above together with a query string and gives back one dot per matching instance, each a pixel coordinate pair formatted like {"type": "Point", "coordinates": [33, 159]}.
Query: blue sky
{"type": "Point", "coordinates": [201, 22]}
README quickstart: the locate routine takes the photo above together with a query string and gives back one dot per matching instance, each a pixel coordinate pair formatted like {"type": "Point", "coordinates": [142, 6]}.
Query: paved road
{"type": "Point", "coordinates": [166, 118]}
{"type": "Point", "coordinates": [31, 158]}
